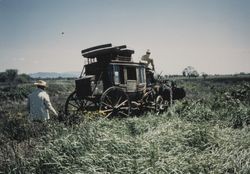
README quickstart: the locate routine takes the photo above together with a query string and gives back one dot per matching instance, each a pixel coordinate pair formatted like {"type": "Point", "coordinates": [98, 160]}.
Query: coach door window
{"type": "Point", "coordinates": [118, 74]}
{"type": "Point", "coordinates": [131, 73]}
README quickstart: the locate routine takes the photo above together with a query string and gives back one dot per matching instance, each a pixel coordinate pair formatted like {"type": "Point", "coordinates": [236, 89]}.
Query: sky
{"type": "Point", "coordinates": [213, 36]}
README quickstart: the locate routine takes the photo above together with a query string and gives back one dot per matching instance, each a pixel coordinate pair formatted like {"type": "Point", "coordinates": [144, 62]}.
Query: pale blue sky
{"type": "Point", "coordinates": [211, 35]}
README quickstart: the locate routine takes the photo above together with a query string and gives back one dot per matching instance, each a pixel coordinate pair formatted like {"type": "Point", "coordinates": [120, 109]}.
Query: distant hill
{"type": "Point", "coordinates": [55, 75]}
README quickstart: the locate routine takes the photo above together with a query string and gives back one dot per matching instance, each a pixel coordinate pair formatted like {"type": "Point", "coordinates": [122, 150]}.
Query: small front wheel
{"type": "Point", "coordinates": [76, 106]}
{"type": "Point", "coordinates": [159, 105]}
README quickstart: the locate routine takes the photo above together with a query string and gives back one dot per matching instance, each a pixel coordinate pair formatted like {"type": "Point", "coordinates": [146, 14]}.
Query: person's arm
{"type": "Point", "coordinates": [28, 108]}
{"type": "Point", "coordinates": [49, 105]}
{"type": "Point", "coordinates": [28, 105]}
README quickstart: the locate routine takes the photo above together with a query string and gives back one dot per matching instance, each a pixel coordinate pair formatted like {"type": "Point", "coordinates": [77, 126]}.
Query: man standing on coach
{"type": "Point", "coordinates": [148, 59]}
{"type": "Point", "coordinates": [39, 103]}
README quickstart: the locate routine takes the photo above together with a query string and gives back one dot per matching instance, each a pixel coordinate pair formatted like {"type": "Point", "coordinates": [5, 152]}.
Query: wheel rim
{"type": "Point", "coordinates": [159, 104]}
{"type": "Point", "coordinates": [115, 102]}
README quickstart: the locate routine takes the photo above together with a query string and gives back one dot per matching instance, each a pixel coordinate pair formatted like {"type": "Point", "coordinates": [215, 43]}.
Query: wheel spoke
{"type": "Point", "coordinates": [150, 107]}
{"type": "Point", "coordinates": [72, 110]}
{"type": "Point", "coordinates": [119, 100]}
{"type": "Point", "coordinates": [80, 103]}
{"type": "Point", "coordinates": [107, 110]}
{"type": "Point", "coordinates": [109, 100]}
{"type": "Point", "coordinates": [122, 113]}
{"type": "Point", "coordinates": [81, 108]}
{"type": "Point", "coordinates": [108, 115]}
{"type": "Point", "coordinates": [107, 105]}
{"type": "Point", "coordinates": [88, 103]}
{"type": "Point", "coordinates": [73, 105]}
{"type": "Point", "coordinates": [124, 108]}
{"type": "Point", "coordinates": [122, 103]}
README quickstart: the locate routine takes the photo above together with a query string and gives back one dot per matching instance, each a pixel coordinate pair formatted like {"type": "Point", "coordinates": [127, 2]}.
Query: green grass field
{"type": "Point", "coordinates": [207, 132]}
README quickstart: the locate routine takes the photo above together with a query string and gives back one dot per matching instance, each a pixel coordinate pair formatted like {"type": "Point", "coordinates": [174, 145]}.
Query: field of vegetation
{"type": "Point", "coordinates": [207, 132]}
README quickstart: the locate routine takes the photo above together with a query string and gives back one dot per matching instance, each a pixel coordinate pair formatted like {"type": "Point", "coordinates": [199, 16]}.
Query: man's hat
{"type": "Point", "coordinates": [148, 51]}
{"type": "Point", "coordinates": [40, 83]}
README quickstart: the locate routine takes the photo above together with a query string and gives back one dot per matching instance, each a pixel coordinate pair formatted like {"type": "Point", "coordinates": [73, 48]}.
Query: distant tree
{"type": "Point", "coordinates": [190, 72]}
{"type": "Point", "coordinates": [3, 77]}
{"type": "Point", "coordinates": [166, 76]}
{"type": "Point", "coordinates": [12, 77]}
{"type": "Point", "coordinates": [194, 74]}
{"type": "Point", "coordinates": [204, 75]}
{"type": "Point", "coordinates": [11, 74]}
{"type": "Point", "coordinates": [184, 72]}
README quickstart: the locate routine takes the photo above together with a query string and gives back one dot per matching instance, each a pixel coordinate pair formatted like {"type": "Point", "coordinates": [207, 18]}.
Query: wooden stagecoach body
{"type": "Point", "coordinates": [115, 85]}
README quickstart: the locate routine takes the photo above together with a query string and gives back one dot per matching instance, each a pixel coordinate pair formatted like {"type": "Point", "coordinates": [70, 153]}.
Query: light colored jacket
{"type": "Point", "coordinates": [145, 57]}
{"type": "Point", "coordinates": [39, 105]}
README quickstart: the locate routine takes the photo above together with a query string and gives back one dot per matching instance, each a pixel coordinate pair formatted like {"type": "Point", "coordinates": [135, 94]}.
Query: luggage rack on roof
{"type": "Point", "coordinates": [107, 52]}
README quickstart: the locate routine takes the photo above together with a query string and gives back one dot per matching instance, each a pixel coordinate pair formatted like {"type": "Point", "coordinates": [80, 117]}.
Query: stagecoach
{"type": "Point", "coordinates": [114, 85]}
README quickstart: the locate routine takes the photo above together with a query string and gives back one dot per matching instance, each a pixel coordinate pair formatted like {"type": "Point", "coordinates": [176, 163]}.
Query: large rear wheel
{"type": "Point", "coordinates": [114, 102]}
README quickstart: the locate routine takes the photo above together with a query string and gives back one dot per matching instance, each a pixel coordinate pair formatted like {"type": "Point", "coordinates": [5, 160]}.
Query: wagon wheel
{"type": "Point", "coordinates": [114, 102]}
{"type": "Point", "coordinates": [159, 105]}
{"type": "Point", "coordinates": [148, 101]}
{"type": "Point", "coordinates": [75, 106]}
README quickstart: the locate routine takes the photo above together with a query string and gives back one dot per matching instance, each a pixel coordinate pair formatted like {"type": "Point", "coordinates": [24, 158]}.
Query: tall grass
{"type": "Point", "coordinates": [209, 134]}
{"type": "Point", "coordinates": [149, 144]}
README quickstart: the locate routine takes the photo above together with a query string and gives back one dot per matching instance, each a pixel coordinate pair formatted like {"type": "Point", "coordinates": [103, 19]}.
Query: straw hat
{"type": "Point", "coordinates": [40, 83]}
{"type": "Point", "coordinates": [148, 51]}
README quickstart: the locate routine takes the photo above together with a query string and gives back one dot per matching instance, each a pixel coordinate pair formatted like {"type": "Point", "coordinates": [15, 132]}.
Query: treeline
{"type": "Point", "coordinates": [11, 76]}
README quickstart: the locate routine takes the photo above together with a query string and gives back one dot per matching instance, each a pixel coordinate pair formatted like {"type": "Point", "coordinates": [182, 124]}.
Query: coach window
{"type": "Point", "coordinates": [142, 74]}
{"type": "Point", "coordinates": [131, 73]}
{"type": "Point", "coordinates": [116, 74]}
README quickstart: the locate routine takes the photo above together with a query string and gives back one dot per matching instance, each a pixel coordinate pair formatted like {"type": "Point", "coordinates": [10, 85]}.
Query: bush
{"type": "Point", "coordinates": [23, 78]}
{"type": "Point", "coordinates": [15, 93]}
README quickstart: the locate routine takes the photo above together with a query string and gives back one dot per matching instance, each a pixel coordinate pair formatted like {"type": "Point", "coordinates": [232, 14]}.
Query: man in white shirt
{"type": "Point", "coordinates": [39, 103]}
{"type": "Point", "coordinates": [148, 60]}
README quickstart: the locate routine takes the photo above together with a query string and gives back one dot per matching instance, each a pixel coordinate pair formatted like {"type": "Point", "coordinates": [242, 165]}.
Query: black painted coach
{"type": "Point", "coordinates": [114, 85]}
